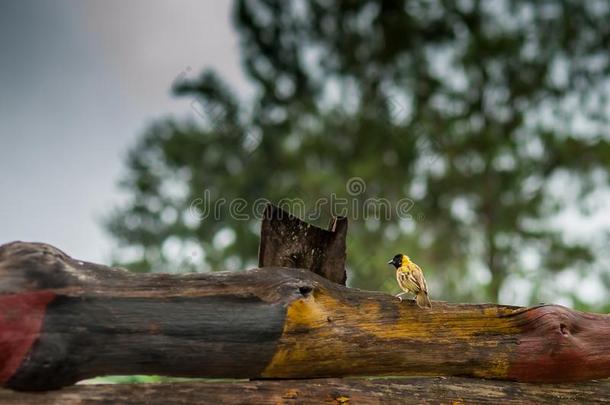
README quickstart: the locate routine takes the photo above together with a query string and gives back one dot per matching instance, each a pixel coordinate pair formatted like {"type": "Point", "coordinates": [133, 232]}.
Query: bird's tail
{"type": "Point", "coordinates": [423, 300]}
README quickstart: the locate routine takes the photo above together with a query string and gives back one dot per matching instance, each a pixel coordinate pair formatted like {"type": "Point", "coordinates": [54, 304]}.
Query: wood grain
{"type": "Point", "coordinates": [271, 323]}
{"type": "Point", "coordinates": [432, 390]}
{"type": "Point", "coordinates": [287, 241]}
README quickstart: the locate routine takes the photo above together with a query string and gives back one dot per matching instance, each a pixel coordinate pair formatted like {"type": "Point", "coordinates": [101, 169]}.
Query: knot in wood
{"type": "Point", "coordinates": [305, 290]}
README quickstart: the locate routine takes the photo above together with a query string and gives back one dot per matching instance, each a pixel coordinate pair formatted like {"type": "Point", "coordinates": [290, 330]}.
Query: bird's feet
{"type": "Point", "coordinates": [399, 296]}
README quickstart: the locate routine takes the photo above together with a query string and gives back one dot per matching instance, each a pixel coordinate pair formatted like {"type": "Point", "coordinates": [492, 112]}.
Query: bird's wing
{"type": "Point", "coordinates": [418, 276]}
{"type": "Point", "coordinates": [406, 281]}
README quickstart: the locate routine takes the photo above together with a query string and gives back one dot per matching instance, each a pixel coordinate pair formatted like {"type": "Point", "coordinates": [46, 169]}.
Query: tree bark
{"type": "Point", "coordinates": [65, 320]}
{"type": "Point", "coordinates": [430, 390]}
{"type": "Point", "coordinates": [287, 241]}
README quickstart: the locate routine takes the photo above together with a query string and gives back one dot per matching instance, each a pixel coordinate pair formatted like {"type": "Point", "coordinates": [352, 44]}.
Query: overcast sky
{"type": "Point", "coordinates": [79, 81]}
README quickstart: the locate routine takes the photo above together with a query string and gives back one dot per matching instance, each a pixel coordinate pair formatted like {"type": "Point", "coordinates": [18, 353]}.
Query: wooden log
{"type": "Point", "coordinates": [287, 241]}
{"type": "Point", "coordinates": [430, 390]}
{"type": "Point", "coordinates": [64, 320]}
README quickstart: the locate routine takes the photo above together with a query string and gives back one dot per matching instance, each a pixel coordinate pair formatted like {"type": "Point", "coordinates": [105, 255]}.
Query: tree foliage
{"type": "Point", "coordinates": [490, 116]}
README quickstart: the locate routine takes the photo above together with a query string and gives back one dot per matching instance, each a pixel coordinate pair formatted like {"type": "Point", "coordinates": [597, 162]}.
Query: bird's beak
{"type": "Point", "coordinates": [391, 262]}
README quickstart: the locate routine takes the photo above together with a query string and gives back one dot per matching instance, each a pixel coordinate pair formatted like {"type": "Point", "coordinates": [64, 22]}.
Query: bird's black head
{"type": "Point", "coordinates": [396, 260]}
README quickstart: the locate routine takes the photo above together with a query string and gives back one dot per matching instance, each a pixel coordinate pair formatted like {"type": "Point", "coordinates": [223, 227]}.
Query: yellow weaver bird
{"type": "Point", "coordinates": [411, 279]}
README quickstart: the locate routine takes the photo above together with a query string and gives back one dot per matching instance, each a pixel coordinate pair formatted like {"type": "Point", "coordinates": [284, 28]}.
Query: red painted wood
{"type": "Point", "coordinates": [560, 345]}
{"type": "Point", "coordinates": [21, 317]}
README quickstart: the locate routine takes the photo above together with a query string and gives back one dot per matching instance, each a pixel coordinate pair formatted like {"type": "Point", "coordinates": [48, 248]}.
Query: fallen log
{"type": "Point", "coordinates": [430, 390]}
{"type": "Point", "coordinates": [64, 320]}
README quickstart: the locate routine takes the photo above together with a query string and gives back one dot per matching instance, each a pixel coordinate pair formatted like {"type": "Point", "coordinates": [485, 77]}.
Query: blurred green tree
{"type": "Point", "coordinates": [490, 116]}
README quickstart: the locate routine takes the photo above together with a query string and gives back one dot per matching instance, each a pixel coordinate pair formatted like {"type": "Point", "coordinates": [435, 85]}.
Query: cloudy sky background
{"type": "Point", "coordinates": [80, 80]}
